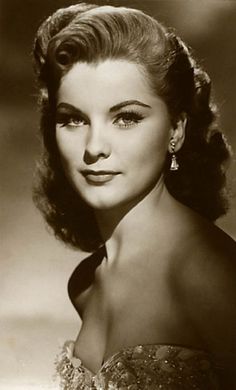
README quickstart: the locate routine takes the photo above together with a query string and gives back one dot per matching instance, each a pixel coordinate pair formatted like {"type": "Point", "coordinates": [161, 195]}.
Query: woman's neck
{"type": "Point", "coordinates": [128, 228]}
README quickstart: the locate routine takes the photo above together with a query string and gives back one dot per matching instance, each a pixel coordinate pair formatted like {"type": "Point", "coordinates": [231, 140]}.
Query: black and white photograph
{"type": "Point", "coordinates": [118, 195]}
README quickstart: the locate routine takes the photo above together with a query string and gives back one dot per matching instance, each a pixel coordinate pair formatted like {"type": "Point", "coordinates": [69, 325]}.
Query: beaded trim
{"type": "Point", "coordinates": [142, 367]}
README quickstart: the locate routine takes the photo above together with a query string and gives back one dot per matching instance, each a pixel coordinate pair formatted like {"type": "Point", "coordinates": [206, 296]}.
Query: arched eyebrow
{"type": "Point", "coordinates": [117, 107]}
{"type": "Point", "coordinates": [128, 103]}
{"type": "Point", "coordinates": [70, 107]}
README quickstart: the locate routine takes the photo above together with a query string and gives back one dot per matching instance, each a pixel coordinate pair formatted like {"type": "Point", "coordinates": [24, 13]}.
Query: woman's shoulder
{"type": "Point", "coordinates": [208, 264]}
{"type": "Point", "coordinates": [203, 241]}
{"type": "Point", "coordinates": [217, 246]}
{"type": "Point", "coordinates": [207, 285]}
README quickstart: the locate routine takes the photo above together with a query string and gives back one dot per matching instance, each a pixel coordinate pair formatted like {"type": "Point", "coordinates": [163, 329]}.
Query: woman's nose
{"type": "Point", "coordinates": [97, 145]}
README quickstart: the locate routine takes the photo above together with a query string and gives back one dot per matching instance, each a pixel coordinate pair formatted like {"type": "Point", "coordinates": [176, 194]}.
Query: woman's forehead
{"type": "Point", "coordinates": [113, 79]}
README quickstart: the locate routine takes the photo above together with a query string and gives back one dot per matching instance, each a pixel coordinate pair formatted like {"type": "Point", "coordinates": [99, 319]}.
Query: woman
{"type": "Point", "coordinates": [134, 174]}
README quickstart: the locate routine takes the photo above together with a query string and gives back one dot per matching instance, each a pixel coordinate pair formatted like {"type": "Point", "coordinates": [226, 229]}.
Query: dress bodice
{"type": "Point", "coordinates": [141, 367]}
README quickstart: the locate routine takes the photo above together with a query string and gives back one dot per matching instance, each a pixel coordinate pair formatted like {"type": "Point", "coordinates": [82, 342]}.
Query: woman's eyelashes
{"type": "Point", "coordinates": [124, 119]}
{"type": "Point", "coordinates": [69, 120]}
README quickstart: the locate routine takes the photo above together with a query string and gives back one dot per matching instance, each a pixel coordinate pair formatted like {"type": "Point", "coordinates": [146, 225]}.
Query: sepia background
{"type": "Point", "coordinates": [35, 313]}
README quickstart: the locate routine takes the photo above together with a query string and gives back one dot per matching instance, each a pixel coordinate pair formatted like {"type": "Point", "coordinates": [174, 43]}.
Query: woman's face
{"type": "Point", "coordinates": [112, 132]}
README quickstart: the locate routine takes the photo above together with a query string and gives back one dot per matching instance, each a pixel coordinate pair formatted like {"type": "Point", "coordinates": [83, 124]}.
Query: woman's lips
{"type": "Point", "coordinates": [98, 177]}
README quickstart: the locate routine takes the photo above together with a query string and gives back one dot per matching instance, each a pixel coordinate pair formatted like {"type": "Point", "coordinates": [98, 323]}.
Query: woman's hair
{"type": "Point", "coordinates": [90, 33]}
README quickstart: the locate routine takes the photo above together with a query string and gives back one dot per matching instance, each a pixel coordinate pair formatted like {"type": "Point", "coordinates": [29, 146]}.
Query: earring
{"type": "Point", "coordinates": [174, 166]}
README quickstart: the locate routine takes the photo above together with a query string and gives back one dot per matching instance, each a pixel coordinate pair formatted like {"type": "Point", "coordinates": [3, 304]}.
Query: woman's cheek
{"type": "Point", "coordinates": [66, 146]}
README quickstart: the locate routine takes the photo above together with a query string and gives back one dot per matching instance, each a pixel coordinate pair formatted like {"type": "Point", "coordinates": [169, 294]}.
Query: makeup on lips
{"type": "Point", "coordinates": [99, 177]}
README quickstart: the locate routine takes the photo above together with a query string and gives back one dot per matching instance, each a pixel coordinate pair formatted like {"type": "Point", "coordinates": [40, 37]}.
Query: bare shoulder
{"type": "Point", "coordinates": [211, 258]}
{"type": "Point", "coordinates": [207, 283]}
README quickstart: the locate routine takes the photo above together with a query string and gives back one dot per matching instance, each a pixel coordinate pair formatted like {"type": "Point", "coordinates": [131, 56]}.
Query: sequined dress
{"type": "Point", "coordinates": [140, 367]}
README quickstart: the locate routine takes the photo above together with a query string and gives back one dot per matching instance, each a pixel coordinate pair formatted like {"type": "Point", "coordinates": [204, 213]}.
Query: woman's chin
{"type": "Point", "coordinates": [108, 201]}
{"type": "Point", "coordinates": [102, 204]}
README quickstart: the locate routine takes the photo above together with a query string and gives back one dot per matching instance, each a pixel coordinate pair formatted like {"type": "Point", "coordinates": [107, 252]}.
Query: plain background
{"type": "Point", "coordinates": [35, 313]}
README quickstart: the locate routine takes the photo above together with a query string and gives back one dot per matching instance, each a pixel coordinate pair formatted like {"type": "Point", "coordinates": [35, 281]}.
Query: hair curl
{"type": "Point", "coordinates": [94, 33]}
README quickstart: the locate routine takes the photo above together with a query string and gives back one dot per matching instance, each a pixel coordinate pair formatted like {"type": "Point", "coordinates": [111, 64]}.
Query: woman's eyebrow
{"type": "Point", "coordinates": [128, 103]}
{"type": "Point", "coordinates": [69, 107]}
{"type": "Point", "coordinates": [117, 107]}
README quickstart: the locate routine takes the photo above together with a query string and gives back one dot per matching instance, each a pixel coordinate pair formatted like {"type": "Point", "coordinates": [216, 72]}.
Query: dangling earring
{"type": "Point", "coordinates": [174, 166]}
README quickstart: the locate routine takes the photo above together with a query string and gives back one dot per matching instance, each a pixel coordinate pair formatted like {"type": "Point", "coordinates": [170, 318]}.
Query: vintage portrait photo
{"type": "Point", "coordinates": [118, 195]}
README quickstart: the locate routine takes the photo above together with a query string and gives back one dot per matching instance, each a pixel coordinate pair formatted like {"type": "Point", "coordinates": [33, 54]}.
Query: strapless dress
{"type": "Point", "coordinates": [140, 367]}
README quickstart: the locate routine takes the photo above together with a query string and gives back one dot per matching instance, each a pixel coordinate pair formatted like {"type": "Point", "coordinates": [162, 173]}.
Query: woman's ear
{"type": "Point", "coordinates": [177, 134]}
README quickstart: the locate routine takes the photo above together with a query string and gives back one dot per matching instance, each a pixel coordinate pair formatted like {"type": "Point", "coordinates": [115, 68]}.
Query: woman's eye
{"type": "Point", "coordinates": [128, 119]}
{"type": "Point", "coordinates": [70, 121]}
